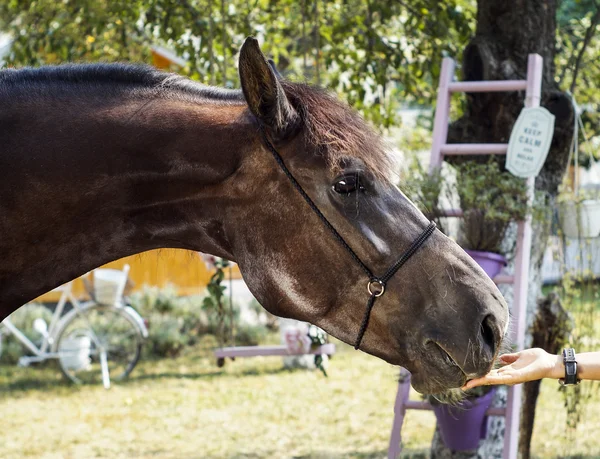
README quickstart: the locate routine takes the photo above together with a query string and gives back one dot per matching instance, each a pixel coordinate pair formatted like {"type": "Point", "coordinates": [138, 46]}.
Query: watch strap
{"type": "Point", "coordinates": [570, 362]}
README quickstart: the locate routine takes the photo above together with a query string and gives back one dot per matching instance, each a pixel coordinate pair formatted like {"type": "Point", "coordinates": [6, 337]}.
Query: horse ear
{"type": "Point", "coordinates": [263, 92]}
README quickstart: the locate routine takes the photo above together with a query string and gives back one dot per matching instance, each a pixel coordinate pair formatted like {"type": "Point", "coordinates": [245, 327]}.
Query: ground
{"type": "Point", "coordinates": [252, 408]}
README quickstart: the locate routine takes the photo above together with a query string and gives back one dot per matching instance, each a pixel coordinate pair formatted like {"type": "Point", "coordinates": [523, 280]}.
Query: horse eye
{"type": "Point", "coordinates": [348, 184]}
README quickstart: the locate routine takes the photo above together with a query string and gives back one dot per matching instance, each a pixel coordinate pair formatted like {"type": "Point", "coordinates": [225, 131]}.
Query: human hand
{"type": "Point", "coordinates": [520, 367]}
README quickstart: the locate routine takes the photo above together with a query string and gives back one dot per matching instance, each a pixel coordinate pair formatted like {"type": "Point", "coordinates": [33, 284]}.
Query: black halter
{"type": "Point", "coordinates": [375, 285]}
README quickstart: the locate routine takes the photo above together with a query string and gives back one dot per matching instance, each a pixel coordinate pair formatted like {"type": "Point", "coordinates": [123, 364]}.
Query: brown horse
{"type": "Point", "coordinates": [98, 162]}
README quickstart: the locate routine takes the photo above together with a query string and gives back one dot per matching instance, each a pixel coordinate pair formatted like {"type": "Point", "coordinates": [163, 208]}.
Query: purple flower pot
{"type": "Point", "coordinates": [462, 426]}
{"type": "Point", "coordinates": [492, 263]}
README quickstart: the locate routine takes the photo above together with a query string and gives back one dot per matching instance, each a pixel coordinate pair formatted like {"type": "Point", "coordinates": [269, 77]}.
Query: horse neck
{"type": "Point", "coordinates": [85, 184]}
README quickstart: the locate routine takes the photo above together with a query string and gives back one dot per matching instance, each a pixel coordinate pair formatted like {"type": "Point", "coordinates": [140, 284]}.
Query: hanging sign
{"type": "Point", "coordinates": [529, 142]}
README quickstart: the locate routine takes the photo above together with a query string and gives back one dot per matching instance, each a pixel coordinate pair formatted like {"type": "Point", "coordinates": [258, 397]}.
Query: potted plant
{"type": "Point", "coordinates": [463, 423]}
{"type": "Point", "coordinates": [491, 200]}
{"type": "Point", "coordinates": [580, 213]}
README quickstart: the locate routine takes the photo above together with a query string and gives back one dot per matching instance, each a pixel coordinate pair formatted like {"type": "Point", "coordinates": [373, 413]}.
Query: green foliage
{"type": "Point", "coordinates": [47, 32]}
{"type": "Point", "coordinates": [317, 338]}
{"type": "Point", "coordinates": [569, 10]}
{"type": "Point", "coordinates": [214, 305]}
{"type": "Point", "coordinates": [417, 138]}
{"type": "Point", "coordinates": [490, 199]}
{"type": "Point", "coordinates": [23, 318]}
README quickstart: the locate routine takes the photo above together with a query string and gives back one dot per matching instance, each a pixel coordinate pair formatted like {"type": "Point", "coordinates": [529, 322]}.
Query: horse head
{"type": "Point", "coordinates": [441, 316]}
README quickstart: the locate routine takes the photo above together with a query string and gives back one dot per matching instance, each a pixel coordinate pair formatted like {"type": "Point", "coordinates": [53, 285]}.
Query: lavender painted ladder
{"type": "Point", "coordinates": [532, 87]}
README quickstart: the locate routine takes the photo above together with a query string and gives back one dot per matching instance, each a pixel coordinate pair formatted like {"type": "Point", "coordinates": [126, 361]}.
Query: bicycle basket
{"type": "Point", "coordinates": [109, 285]}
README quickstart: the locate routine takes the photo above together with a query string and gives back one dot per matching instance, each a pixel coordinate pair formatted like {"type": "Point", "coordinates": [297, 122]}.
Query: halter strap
{"type": "Point", "coordinates": [376, 285]}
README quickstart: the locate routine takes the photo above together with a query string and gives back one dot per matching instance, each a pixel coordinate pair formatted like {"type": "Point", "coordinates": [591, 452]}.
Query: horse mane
{"type": "Point", "coordinates": [116, 76]}
{"type": "Point", "coordinates": [332, 126]}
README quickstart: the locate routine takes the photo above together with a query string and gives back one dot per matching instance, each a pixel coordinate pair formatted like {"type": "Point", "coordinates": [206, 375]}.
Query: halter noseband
{"type": "Point", "coordinates": [376, 285]}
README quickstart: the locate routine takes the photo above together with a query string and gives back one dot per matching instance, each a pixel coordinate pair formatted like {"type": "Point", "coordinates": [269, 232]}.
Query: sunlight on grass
{"type": "Point", "coordinates": [252, 408]}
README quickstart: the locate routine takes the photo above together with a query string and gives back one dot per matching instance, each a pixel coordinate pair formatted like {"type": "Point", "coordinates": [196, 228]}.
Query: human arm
{"type": "Point", "coordinates": [588, 366]}
{"type": "Point", "coordinates": [533, 364]}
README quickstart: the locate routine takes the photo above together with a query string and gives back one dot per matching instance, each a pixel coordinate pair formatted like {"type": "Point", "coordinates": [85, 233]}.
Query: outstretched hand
{"type": "Point", "coordinates": [520, 367]}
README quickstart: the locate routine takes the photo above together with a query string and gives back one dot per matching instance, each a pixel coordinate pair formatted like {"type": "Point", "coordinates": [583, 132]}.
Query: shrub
{"type": "Point", "coordinates": [250, 335]}
{"type": "Point", "coordinates": [174, 322]}
{"type": "Point", "coordinates": [155, 299]}
{"type": "Point", "coordinates": [166, 338]}
{"type": "Point", "coordinates": [177, 322]}
{"type": "Point", "coordinates": [23, 319]}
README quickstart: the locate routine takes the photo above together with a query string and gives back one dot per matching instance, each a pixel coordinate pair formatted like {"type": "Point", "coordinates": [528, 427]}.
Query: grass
{"type": "Point", "coordinates": [252, 408]}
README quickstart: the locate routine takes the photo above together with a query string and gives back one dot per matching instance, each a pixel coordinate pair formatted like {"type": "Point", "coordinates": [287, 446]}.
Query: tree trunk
{"type": "Point", "coordinates": [507, 31]}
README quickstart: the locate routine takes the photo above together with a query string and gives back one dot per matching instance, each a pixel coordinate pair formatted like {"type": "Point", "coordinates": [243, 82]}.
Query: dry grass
{"type": "Point", "coordinates": [188, 408]}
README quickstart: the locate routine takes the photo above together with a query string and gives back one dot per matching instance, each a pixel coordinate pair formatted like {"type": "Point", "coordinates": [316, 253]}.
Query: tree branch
{"type": "Point", "coordinates": [589, 33]}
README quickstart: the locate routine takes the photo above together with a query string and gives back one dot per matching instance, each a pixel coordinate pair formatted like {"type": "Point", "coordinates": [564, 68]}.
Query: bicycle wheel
{"type": "Point", "coordinates": [98, 342]}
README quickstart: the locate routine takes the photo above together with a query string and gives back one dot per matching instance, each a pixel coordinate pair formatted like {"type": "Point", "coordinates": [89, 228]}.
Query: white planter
{"type": "Point", "coordinates": [581, 220]}
{"type": "Point", "coordinates": [74, 352]}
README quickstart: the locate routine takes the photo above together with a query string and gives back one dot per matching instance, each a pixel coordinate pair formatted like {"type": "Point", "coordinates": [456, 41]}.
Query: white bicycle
{"type": "Point", "coordinates": [94, 341]}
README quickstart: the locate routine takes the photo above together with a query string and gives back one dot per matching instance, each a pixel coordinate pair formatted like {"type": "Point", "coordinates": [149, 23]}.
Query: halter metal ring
{"type": "Point", "coordinates": [378, 290]}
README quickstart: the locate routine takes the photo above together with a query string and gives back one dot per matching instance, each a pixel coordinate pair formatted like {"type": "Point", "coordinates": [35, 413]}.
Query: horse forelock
{"type": "Point", "coordinates": [338, 131]}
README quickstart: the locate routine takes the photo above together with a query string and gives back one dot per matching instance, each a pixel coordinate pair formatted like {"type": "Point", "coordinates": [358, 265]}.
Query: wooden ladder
{"type": "Point", "coordinates": [532, 87]}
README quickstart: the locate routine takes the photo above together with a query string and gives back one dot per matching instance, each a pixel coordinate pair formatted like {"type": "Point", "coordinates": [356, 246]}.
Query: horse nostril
{"type": "Point", "coordinates": [487, 333]}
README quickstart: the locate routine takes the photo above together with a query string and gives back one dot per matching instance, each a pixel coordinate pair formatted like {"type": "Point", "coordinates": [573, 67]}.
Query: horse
{"type": "Point", "coordinates": [102, 161]}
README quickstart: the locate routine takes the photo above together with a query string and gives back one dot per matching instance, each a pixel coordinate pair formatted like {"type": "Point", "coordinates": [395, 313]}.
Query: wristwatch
{"type": "Point", "coordinates": [570, 368]}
